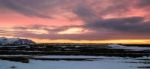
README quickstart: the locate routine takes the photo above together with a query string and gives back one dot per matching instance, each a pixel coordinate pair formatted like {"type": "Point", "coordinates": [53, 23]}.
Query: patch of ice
{"type": "Point", "coordinates": [118, 63]}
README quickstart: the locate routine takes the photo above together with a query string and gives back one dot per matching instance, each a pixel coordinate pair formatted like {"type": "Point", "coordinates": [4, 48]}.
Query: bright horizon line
{"type": "Point", "coordinates": [120, 41]}
{"type": "Point", "coordinates": [114, 41]}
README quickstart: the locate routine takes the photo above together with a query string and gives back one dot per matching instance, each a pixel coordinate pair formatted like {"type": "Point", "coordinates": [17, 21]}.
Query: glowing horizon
{"type": "Point", "coordinates": [119, 41]}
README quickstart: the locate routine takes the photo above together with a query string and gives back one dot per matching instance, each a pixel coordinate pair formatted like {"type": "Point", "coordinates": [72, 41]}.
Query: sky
{"type": "Point", "coordinates": [81, 21]}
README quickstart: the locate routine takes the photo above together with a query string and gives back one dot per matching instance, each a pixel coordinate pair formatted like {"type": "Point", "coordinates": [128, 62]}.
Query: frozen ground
{"type": "Point", "coordinates": [101, 63]}
{"type": "Point", "coordinates": [132, 48]}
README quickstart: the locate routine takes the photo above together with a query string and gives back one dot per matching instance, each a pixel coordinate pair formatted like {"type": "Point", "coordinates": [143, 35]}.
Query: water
{"type": "Point", "coordinates": [100, 62]}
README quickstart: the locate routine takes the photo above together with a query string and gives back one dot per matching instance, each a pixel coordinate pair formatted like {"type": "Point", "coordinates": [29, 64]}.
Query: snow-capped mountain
{"type": "Point", "coordinates": [16, 41]}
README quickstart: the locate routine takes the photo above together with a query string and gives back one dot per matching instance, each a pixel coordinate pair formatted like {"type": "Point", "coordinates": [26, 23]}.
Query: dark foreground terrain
{"type": "Point", "coordinates": [71, 49]}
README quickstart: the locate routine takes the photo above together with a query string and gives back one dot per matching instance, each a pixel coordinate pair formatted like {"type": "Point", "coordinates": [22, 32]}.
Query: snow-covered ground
{"type": "Point", "coordinates": [132, 48]}
{"type": "Point", "coordinates": [105, 63]}
{"type": "Point", "coordinates": [72, 56]}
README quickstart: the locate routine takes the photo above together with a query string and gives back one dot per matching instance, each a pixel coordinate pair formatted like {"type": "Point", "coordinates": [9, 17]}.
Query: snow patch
{"type": "Point", "coordinates": [132, 48]}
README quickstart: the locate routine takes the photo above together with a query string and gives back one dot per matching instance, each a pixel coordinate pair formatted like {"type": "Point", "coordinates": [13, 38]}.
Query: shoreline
{"type": "Point", "coordinates": [27, 58]}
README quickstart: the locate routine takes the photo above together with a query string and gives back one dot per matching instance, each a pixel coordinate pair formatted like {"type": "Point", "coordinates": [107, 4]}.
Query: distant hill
{"type": "Point", "coordinates": [15, 41]}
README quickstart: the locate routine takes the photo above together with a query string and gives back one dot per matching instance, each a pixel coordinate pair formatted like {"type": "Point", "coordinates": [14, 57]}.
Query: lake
{"type": "Point", "coordinates": [94, 62]}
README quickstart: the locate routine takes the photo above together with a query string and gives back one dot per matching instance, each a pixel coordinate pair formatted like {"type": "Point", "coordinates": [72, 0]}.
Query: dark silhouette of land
{"type": "Point", "coordinates": [68, 49]}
